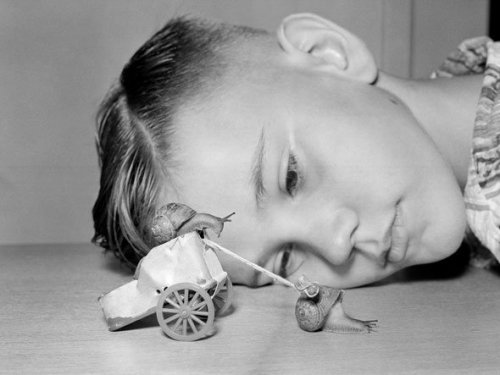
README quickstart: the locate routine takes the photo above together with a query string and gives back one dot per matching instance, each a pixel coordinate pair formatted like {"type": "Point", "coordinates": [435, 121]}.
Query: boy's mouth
{"type": "Point", "coordinates": [399, 238]}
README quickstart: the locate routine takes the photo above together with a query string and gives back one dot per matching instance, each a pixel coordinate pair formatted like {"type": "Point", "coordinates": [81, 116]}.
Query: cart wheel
{"type": "Point", "coordinates": [185, 312]}
{"type": "Point", "coordinates": [223, 299]}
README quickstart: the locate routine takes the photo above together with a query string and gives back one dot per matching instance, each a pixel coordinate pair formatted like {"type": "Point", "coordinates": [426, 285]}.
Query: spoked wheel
{"type": "Point", "coordinates": [223, 299]}
{"type": "Point", "coordinates": [185, 312]}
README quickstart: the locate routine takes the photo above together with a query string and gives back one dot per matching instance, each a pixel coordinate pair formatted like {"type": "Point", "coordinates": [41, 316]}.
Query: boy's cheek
{"type": "Point", "coordinates": [241, 273]}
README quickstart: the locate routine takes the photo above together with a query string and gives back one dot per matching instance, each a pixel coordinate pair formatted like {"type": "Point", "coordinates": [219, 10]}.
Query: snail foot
{"type": "Point", "coordinates": [351, 326]}
{"type": "Point", "coordinates": [339, 322]}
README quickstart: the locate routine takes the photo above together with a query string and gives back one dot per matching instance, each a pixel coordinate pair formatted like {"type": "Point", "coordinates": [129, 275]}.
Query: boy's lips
{"type": "Point", "coordinates": [399, 238]}
{"type": "Point", "coordinates": [394, 243]}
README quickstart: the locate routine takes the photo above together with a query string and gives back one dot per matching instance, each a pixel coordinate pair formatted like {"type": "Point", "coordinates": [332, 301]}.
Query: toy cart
{"type": "Point", "coordinates": [186, 309]}
{"type": "Point", "coordinates": [183, 282]}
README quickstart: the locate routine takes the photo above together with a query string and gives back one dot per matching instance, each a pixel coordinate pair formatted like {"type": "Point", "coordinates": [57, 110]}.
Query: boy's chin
{"type": "Point", "coordinates": [441, 239]}
{"type": "Point", "coordinates": [433, 254]}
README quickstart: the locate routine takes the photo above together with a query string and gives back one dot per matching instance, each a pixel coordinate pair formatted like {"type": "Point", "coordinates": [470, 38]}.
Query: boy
{"type": "Point", "coordinates": [335, 169]}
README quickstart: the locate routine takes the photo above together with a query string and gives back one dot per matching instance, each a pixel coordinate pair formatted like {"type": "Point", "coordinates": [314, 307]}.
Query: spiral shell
{"type": "Point", "coordinates": [309, 316]}
{"type": "Point", "coordinates": [314, 305]}
{"type": "Point", "coordinates": [162, 230]}
{"type": "Point", "coordinates": [168, 220]}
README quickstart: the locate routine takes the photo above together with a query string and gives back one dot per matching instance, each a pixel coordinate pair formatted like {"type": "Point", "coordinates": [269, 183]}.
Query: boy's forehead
{"type": "Point", "coordinates": [214, 156]}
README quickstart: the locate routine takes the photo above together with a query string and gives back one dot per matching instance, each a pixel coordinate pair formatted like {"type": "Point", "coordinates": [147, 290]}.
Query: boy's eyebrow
{"type": "Point", "coordinates": [257, 178]}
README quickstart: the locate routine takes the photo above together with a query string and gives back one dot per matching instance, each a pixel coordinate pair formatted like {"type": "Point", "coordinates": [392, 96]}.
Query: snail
{"type": "Point", "coordinates": [320, 308]}
{"type": "Point", "coordinates": [175, 219]}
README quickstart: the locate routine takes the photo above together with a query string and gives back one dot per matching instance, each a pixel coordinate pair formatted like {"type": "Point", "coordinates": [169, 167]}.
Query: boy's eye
{"type": "Point", "coordinates": [292, 175]}
{"type": "Point", "coordinates": [288, 261]}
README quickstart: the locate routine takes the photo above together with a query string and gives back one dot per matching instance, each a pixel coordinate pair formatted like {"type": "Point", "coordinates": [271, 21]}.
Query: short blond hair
{"type": "Point", "coordinates": [134, 126]}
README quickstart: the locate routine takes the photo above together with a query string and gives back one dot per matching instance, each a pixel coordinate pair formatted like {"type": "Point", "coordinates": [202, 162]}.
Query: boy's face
{"type": "Point", "coordinates": [328, 177]}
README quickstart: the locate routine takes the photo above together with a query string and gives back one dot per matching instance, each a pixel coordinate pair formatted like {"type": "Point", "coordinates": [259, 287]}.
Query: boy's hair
{"type": "Point", "coordinates": [134, 127]}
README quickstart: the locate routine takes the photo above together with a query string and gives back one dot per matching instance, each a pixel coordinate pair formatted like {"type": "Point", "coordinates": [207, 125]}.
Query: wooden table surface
{"type": "Point", "coordinates": [51, 323]}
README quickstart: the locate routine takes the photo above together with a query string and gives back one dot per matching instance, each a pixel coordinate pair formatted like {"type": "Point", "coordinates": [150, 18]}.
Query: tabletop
{"type": "Point", "coordinates": [51, 323]}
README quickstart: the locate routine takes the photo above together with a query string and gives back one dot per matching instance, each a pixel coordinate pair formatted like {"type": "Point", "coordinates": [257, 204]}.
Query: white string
{"type": "Point", "coordinates": [253, 265]}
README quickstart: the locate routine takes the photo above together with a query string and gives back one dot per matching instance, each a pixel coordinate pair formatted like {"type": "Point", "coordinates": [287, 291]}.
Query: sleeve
{"type": "Point", "coordinates": [469, 58]}
{"type": "Point", "coordinates": [481, 55]}
{"type": "Point", "coordinates": [482, 192]}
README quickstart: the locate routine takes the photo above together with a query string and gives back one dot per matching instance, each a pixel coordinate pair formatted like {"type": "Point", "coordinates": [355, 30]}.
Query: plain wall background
{"type": "Point", "coordinates": [58, 57]}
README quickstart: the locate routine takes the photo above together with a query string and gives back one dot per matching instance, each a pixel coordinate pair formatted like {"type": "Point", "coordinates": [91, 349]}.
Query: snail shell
{"type": "Point", "coordinates": [308, 315]}
{"type": "Point", "coordinates": [311, 313]}
{"type": "Point", "coordinates": [168, 220]}
{"type": "Point", "coordinates": [176, 219]}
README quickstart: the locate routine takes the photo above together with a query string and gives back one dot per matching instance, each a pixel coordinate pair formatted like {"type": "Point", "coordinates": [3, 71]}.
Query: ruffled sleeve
{"type": "Point", "coordinates": [482, 191]}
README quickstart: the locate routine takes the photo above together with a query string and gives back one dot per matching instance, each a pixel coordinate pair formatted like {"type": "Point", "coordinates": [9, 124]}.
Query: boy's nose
{"type": "Point", "coordinates": [337, 238]}
{"type": "Point", "coordinates": [329, 231]}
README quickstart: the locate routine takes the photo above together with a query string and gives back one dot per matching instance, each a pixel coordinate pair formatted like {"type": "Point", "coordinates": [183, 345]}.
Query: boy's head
{"type": "Point", "coordinates": [135, 141]}
{"type": "Point", "coordinates": [330, 175]}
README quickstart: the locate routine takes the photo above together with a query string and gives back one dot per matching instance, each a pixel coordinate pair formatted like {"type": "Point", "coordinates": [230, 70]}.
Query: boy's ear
{"type": "Point", "coordinates": [323, 45]}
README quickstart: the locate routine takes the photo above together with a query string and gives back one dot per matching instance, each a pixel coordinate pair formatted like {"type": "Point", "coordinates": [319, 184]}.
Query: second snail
{"type": "Point", "coordinates": [319, 308]}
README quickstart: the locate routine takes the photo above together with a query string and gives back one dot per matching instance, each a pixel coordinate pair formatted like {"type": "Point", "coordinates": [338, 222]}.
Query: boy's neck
{"type": "Point", "coordinates": [446, 110]}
